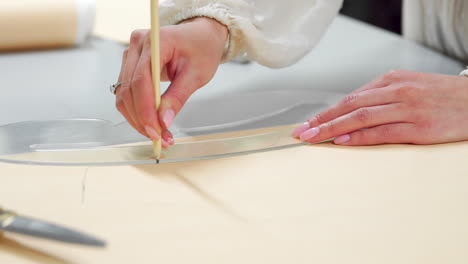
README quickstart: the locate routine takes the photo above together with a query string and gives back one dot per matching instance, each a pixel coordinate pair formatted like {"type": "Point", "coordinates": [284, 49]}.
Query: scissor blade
{"type": "Point", "coordinates": [38, 228]}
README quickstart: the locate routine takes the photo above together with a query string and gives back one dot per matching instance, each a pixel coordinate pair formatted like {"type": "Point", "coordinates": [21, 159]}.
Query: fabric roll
{"type": "Point", "coordinates": [32, 24]}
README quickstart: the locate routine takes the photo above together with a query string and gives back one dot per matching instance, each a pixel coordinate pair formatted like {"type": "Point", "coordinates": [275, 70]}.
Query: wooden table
{"type": "Point", "coordinates": [311, 204]}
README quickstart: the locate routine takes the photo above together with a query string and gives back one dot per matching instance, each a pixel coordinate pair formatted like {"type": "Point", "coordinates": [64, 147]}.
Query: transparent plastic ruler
{"type": "Point", "coordinates": [89, 154]}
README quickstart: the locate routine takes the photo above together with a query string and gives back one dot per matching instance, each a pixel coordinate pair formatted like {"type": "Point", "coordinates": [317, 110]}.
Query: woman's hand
{"type": "Point", "coordinates": [399, 107]}
{"type": "Point", "coordinates": [190, 55]}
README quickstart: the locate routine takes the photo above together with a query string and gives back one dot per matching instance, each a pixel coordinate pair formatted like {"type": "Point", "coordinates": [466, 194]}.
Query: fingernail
{"type": "Point", "coordinates": [300, 129]}
{"type": "Point", "coordinates": [342, 139]}
{"type": "Point", "coordinates": [152, 133]}
{"type": "Point", "coordinates": [309, 134]}
{"type": "Point", "coordinates": [171, 141]}
{"type": "Point", "coordinates": [168, 117]}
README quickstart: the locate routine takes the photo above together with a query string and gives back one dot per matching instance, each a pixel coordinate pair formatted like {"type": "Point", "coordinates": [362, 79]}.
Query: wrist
{"type": "Point", "coordinates": [219, 30]}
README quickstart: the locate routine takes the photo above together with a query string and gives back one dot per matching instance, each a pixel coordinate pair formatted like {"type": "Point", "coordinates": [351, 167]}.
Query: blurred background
{"type": "Point", "coordinates": [385, 14]}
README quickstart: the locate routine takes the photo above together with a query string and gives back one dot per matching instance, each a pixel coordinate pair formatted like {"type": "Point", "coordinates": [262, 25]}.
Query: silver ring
{"type": "Point", "coordinates": [113, 87]}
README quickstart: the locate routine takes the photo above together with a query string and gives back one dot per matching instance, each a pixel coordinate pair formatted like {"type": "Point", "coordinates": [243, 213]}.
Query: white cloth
{"type": "Point", "coordinates": [275, 33]}
{"type": "Point", "coordinates": [439, 24]}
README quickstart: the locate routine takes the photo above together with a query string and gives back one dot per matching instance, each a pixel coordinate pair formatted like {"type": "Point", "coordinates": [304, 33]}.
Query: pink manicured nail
{"type": "Point", "coordinates": [300, 129]}
{"type": "Point", "coordinates": [168, 117]}
{"type": "Point", "coordinates": [171, 141]}
{"type": "Point", "coordinates": [152, 133]}
{"type": "Point", "coordinates": [342, 139]}
{"type": "Point", "coordinates": [309, 134]}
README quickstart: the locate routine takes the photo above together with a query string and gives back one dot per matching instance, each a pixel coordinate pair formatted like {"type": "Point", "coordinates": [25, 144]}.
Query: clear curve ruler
{"type": "Point", "coordinates": [142, 153]}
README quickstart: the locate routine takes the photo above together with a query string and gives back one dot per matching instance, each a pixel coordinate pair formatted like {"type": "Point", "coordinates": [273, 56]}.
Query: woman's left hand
{"type": "Point", "coordinates": [399, 107]}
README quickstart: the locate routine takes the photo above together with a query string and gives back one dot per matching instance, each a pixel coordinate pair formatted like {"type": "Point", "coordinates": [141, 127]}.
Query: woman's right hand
{"type": "Point", "coordinates": [190, 55]}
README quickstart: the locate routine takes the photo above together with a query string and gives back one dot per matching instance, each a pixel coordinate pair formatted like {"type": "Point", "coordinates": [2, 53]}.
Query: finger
{"type": "Point", "coordinates": [167, 51]}
{"type": "Point", "coordinates": [355, 101]}
{"type": "Point", "coordinates": [143, 97]}
{"type": "Point", "coordinates": [397, 133]}
{"type": "Point", "coordinates": [124, 62]}
{"type": "Point", "coordinates": [168, 137]}
{"type": "Point", "coordinates": [122, 109]}
{"type": "Point", "coordinates": [386, 79]}
{"type": "Point", "coordinates": [175, 97]}
{"type": "Point", "coordinates": [378, 83]}
{"type": "Point", "coordinates": [119, 102]}
{"type": "Point", "coordinates": [132, 58]}
{"type": "Point", "coordinates": [124, 94]}
{"type": "Point", "coordinates": [365, 117]}
{"type": "Point", "coordinates": [184, 79]}
{"type": "Point", "coordinates": [367, 94]}
{"type": "Point", "coordinates": [297, 132]}
{"type": "Point", "coordinates": [143, 94]}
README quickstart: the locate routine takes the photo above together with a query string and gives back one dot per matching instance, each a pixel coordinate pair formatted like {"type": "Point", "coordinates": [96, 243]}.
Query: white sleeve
{"type": "Point", "coordinates": [275, 33]}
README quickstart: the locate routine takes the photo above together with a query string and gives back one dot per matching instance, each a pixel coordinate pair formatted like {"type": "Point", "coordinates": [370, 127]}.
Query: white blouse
{"type": "Point", "coordinates": [277, 33]}
{"type": "Point", "coordinates": [439, 24]}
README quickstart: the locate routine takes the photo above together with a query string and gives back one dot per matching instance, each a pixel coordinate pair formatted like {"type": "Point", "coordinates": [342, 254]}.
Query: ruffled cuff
{"type": "Point", "coordinates": [171, 15]}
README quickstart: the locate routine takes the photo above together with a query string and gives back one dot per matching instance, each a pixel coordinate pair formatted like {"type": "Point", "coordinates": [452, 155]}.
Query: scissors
{"type": "Point", "coordinates": [11, 222]}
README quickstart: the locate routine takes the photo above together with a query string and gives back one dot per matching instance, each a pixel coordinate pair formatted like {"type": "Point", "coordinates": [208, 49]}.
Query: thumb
{"type": "Point", "coordinates": [175, 97]}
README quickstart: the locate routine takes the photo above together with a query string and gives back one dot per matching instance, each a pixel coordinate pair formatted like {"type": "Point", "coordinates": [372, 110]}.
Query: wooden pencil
{"type": "Point", "coordinates": [155, 67]}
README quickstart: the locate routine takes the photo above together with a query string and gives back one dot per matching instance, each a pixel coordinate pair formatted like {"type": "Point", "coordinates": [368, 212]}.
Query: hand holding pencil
{"type": "Point", "coordinates": [189, 55]}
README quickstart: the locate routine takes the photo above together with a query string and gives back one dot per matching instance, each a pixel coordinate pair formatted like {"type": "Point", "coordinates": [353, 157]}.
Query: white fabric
{"type": "Point", "coordinates": [439, 24]}
{"type": "Point", "coordinates": [275, 33]}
